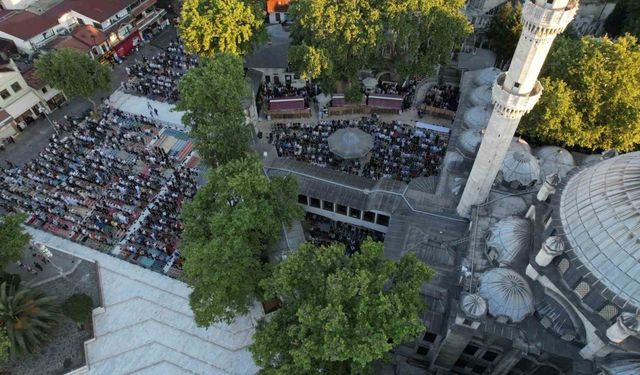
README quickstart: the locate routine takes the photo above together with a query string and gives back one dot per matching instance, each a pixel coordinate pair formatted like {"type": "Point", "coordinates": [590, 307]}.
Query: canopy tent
{"type": "Point", "coordinates": [430, 127]}
{"type": "Point", "coordinates": [337, 100]}
{"type": "Point", "coordinates": [385, 101]}
{"type": "Point", "coordinates": [286, 104]}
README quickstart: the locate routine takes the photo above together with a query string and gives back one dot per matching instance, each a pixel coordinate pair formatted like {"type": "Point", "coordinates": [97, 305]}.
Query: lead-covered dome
{"type": "Point", "coordinates": [600, 216]}
{"type": "Point", "coordinates": [477, 117]}
{"type": "Point", "coordinates": [481, 96]}
{"type": "Point", "coordinates": [519, 169]}
{"type": "Point", "coordinates": [469, 141]}
{"type": "Point", "coordinates": [507, 294]}
{"type": "Point", "coordinates": [555, 160]}
{"type": "Point", "coordinates": [487, 76]}
{"type": "Point", "coordinates": [508, 239]}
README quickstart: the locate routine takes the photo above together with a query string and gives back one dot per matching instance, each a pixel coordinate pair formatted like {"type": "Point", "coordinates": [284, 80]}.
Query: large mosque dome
{"type": "Point", "coordinates": [600, 216]}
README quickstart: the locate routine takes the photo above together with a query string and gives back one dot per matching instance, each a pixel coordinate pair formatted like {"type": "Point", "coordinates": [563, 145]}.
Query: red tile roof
{"type": "Point", "coordinates": [68, 42]}
{"type": "Point", "coordinates": [89, 35]}
{"type": "Point", "coordinates": [33, 80]}
{"type": "Point", "coordinates": [25, 25]}
{"type": "Point", "coordinates": [277, 5]}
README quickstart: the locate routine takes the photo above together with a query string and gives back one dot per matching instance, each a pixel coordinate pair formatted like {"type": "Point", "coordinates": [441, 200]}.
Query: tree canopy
{"type": "Point", "coordinates": [625, 18]}
{"type": "Point", "coordinates": [75, 73]}
{"type": "Point", "coordinates": [78, 308]}
{"type": "Point", "coordinates": [342, 36]}
{"type": "Point", "coordinates": [340, 312]}
{"type": "Point", "coordinates": [591, 95]}
{"type": "Point", "coordinates": [13, 238]}
{"type": "Point", "coordinates": [505, 29]}
{"type": "Point", "coordinates": [228, 227]}
{"type": "Point", "coordinates": [208, 27]}
{"type": "Point", "coordinates": [212, 97]}
{"type": "Point", "coordinates": [28, 315]}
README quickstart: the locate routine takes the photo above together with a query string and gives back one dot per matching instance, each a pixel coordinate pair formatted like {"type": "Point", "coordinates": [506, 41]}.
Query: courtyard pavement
{"type": "Point", "coordinates": [36, 136]}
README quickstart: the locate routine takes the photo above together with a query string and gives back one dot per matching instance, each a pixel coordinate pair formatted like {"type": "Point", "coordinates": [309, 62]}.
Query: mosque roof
{"type": "Point", "coordinates": [507, 293]}
{"type": "Point", "coordinates": [509, 237]}
{"type": "Point", "coordinates": [519, 144]}
{"type": "Point", "coordinates": [477, 117]}
{"type": "Point", "coordinates": [474, 305]}
{"type": "Point", "coordinates": [600, 216]}
{"type": "Point", "coordinates": [520, 167]}
{"type": "Point", "coordinates": [555, 160]}
{"type": "Point", "coordinates": [486, 76]}
{"type": "Point", "coordinates": [469, 141]}
{"type": "Point", "coordinates": [507, 206]}
{"type": "Point", "coordinates": [481, 96]}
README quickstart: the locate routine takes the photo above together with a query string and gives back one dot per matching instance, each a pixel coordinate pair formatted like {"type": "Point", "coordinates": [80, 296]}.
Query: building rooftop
{"type": "Point", "coordinates": [25, 25]}
{"type": "Point", "coordinates": [145, 324]}
{"type": "Point", "coordinates": [599, 212]}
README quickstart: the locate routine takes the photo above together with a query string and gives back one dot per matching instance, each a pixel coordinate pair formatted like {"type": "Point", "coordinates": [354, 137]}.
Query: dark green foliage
{"type": "Point", "coordinates": [78, 308]}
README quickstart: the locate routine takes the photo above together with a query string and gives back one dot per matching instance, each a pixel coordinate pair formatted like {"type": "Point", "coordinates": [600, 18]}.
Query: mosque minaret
{"type": "Point", "coordinates": [515, 93]}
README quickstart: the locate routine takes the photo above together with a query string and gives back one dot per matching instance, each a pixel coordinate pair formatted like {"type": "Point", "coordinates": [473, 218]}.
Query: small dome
{"type": "Point", "coordinates": [555, 160]}
{"type": "Point", "coordinates": [553, 245]}
{"type": "Point", "coordinates": [481, 96]}
{"type": "Point", "coordinates": [453, 160]}
{"type": "Point", "coordinates": [520, 169]}
{"type": "Point", "coordinates": [473, 305]}
{"type": "Point", "coordinates": [477, 117]}
{"type": "Point", "coordinates": [591, 160]}
{"type": "Point", "coordinates": [502, 207]}
{"type": "Point", "coordinates": [519, 144]}
{"type": "Point", "coordinates": [507, 294]}
{"type": "Point", "coordinates": [509, 238]}
{"type": "Point", "coordinates": [469, 141]}
{"type": "Point", "coordinates": [487, 76]}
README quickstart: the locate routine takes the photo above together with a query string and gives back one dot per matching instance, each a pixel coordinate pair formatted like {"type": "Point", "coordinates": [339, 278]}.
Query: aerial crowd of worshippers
{"type": "Point", "coordinates": [157, 77]}
{"type": "Point", "coordinates": [113, 184]}
{"type": "Point", "coordinates": [399, 151]}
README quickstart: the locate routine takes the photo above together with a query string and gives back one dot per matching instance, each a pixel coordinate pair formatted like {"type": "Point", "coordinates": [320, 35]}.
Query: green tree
{"type": "Point", "coordinates": [309, 62]}
{"type": "Point", "coordinates": [13, 238]}
{"type": "Point", "coordinates": [212, 96]}
{"type": "Point", "coordinates": [5, 346]}
{"type": "Point", "coordinates": [228, 227]}
{"type": "Point", "coordinates": [340, 312]}
{"type": "Point", "coordinates": [625, 18]}
{"type": "Point", "coordinates": [591, 95]}
{"type": "Point", "coordinates": [421, 34]}
{"type": "Point", "coordinates": [29, 316]}
{"type": "Point", "coordinates": [343, 33]}
{"type": "Point", "coordinates": [75, 73]}
{"type": "Point", "coordinates": [78, 308]}
{"type": "Point", "coordinates": [343, 36]}
{"type": "Point", "coordinates": [208, 27]}
{"type": "Point", "coordinates": [505, 29]}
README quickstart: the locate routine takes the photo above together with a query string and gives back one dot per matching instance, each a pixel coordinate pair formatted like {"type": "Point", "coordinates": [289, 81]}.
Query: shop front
{"type": "Point", "coordinates": [26, 109]}
{"type": "Point", "coordinates": [128, 44]}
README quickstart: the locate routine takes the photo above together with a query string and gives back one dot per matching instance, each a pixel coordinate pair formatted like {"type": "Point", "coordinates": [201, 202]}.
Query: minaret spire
{"type": "Point", "coordinates": [516, 92]}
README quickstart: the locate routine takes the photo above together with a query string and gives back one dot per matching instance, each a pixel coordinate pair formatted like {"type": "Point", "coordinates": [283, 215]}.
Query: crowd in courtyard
{"type": "Point", "coordinates": [157, 77]}
{"type": "Point", "coordinates": [324, 231]}
{"type": "Point", "coordinates": [443, 96]}
{"type": "Point", "coordinates": [399, 151]}
{"type": "Point", "coordinates": [93, 184]}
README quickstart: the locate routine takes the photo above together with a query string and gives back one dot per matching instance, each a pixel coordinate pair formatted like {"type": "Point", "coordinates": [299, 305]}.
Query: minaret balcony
{"type": "Point", "coordinates": [513, 104]}
{"type": "Point", "coordinates": [544, 20]}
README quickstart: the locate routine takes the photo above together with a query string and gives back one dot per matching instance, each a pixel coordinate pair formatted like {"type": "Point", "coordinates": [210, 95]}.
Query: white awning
{"type": "Point", "coordinates": [22, 105]}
